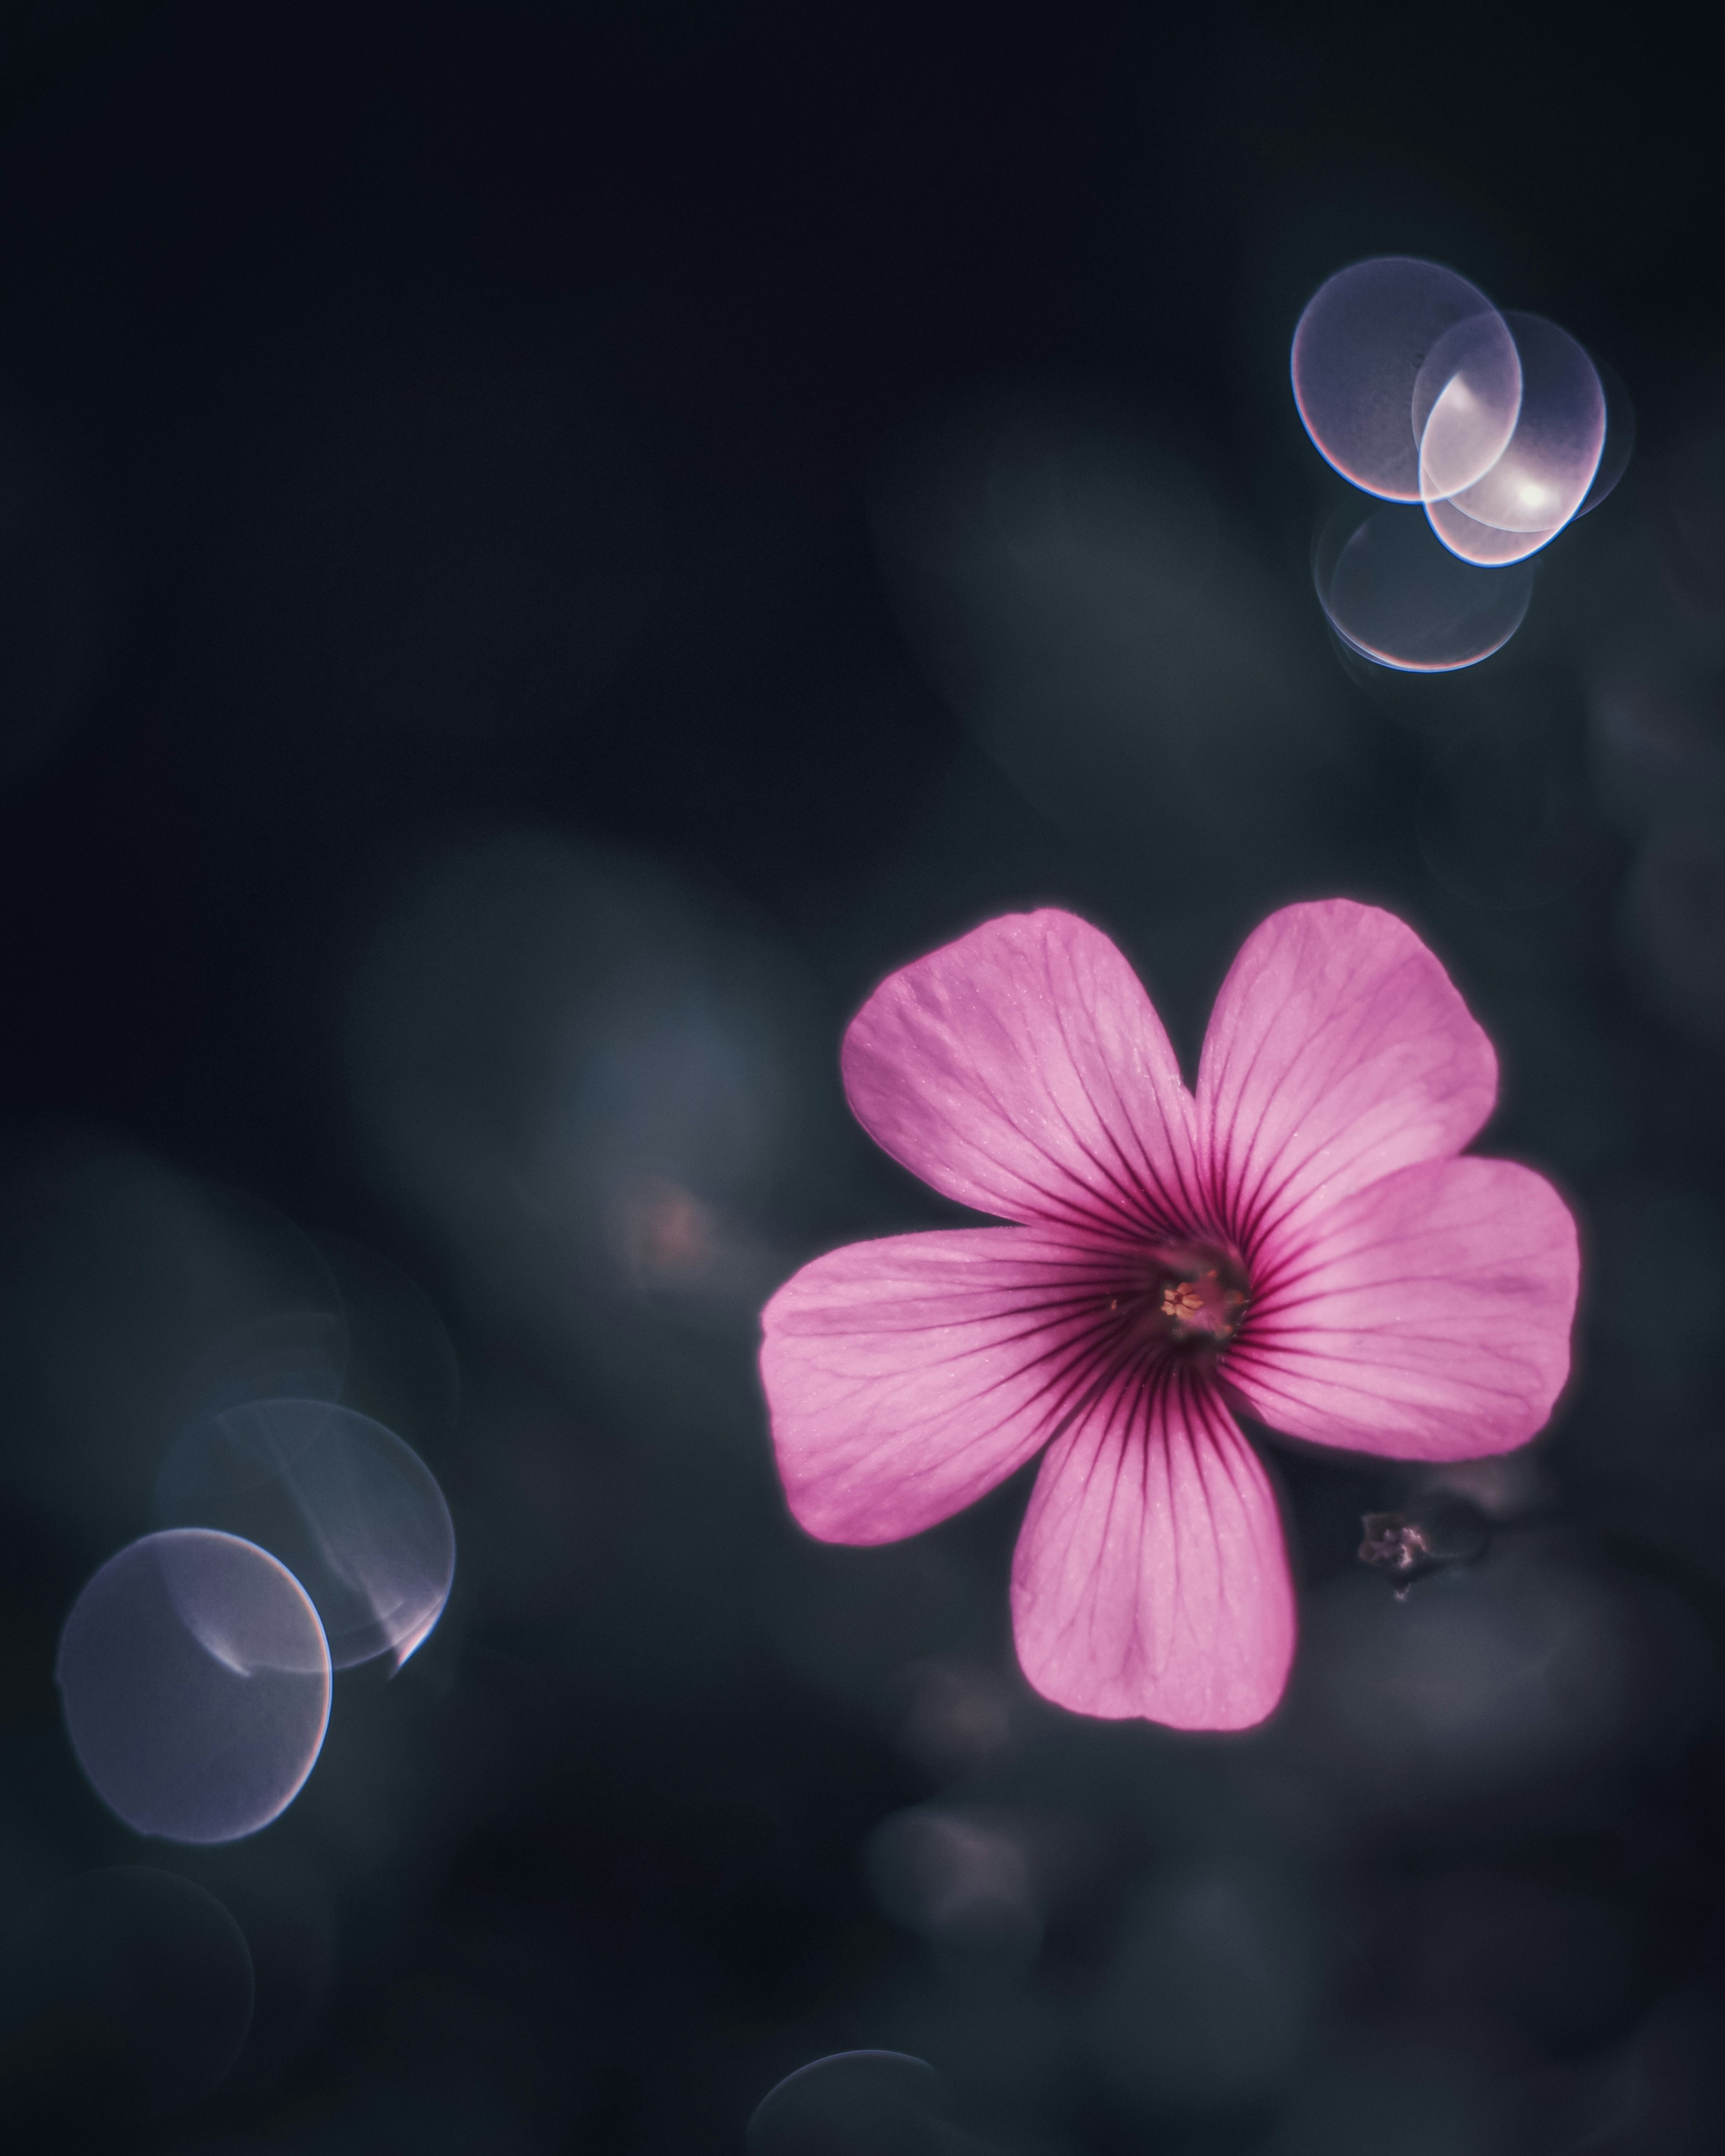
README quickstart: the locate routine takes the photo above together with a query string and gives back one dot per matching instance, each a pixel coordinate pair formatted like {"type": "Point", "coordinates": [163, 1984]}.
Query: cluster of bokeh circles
{"type": "Point", "coordinates": [1481, 433]}
{"type": "Point", "coordinates": [298, 1537]}
{"type": "Point", "coordinates": [199, 1408]}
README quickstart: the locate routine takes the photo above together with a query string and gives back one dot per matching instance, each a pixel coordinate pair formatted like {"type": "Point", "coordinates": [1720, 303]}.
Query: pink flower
{"type": "Point", "coordinates": [1300, 1237]}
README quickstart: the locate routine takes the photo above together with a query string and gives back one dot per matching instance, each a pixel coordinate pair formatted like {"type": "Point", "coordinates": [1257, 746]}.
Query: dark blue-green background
{"type": "Point", "coordinates": [523, 593]}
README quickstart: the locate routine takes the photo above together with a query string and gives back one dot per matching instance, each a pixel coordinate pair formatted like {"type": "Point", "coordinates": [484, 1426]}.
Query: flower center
{"type": "Point", "coordinates": [1189, 1296]}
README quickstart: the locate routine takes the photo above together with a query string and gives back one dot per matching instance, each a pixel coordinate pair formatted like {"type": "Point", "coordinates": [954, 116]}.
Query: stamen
{"type": "Point", "coordinates": [1189, 1298]}
{"type": "Point", "coordinates": [1203, 1306]}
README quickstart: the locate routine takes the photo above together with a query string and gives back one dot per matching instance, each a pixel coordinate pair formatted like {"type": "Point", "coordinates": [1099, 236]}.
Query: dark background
{"type": "Point", "coordinates": [507, 630]}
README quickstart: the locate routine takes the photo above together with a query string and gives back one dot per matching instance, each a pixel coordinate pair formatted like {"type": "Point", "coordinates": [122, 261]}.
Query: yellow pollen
{"type": "Point", "coordinates": [1183, 1300]}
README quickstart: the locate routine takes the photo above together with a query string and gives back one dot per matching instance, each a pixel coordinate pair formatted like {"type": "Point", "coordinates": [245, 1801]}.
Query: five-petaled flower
{"type": "Point", "coordinates": [1301, 1237]}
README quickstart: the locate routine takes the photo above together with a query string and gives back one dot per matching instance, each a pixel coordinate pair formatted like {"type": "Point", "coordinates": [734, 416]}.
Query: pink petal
{"type": "Point", "coordinates": [1427, 1318]}
{"type": "Point", "coordinates": [1151, 1577]}
{"type": "Point", "coordinates": [1023, 1071]}
{"type": "Point", "coordinates": [1337, 1052]}
{"type": "Point", "coordinates": [906, 1377]}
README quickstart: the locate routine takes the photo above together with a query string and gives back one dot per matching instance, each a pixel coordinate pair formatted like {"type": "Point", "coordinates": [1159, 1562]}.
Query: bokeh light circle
{"type": "Point", "coordinates": [1359, 350]}
{"type": "Point", "coordinates": [352, 1511]}
{"type": "Point", "coordinates": [1620, 444]}
{"type": "Point", "coordinates": [1468, 398]}
{"type": "Point", "coordinates": [1397, 597]}
{"type": "Point", "coordinates": [1541, 479]}
{"type": "Point", "coordinates": [195, 1680]}
{"type": "Point", "coordinates": [852, 2103]}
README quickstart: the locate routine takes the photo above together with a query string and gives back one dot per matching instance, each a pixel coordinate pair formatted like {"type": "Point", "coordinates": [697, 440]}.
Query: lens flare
{"type": "Point", "coordinates": [1397, 597]}
{"type": "Point", "coordinates": [351, 1510]}
{"type": "Point", "coordinates": [1620, 435]}
{"type": "Point", "coordinates": [1468, 398]}
{"type": "Point", "coordinates": [1416, 388]}
{"type": "Point", "coordinates": [1541, 479]}
{"type": "Point", "coordinates": [1358, 353]}
{"type": "Point", "coordinates": [195, 1680]}
{"type": "Point", "coordinates": [855, 2103]}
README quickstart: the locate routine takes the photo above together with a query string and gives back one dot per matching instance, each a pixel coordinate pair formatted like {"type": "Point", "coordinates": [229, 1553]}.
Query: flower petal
{"type": "Point", "coordinates": [1427, 1317]}
{"type": "Point", "coordinates": [906, 1377]}
{"type": "Point", "coordinates": [1023, 1071]}
{"type": "Point", "coordinates": [1339, 1051]}
{"type": "Point", "coordinates": [1151, 1577]}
